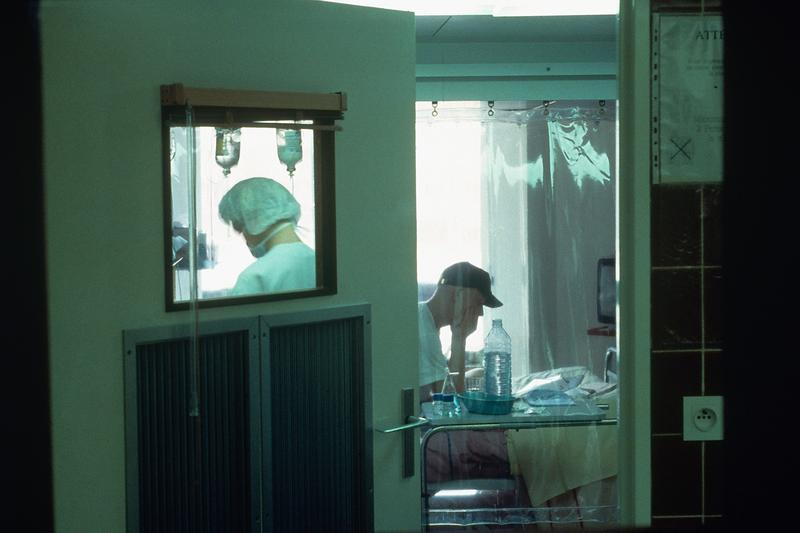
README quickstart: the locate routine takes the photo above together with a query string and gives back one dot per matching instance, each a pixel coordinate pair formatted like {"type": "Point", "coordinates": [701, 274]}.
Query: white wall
{"type": "Point", "coordinates": [103, 63]}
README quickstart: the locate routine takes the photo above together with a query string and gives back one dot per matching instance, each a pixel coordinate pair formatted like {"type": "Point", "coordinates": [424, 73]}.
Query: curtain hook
{"type": "Point", "coordinates": [435, 104]}
{"type": "Point", "coordinates": [546, 103]}
{"type": "Point", "coordinates": [491, 108]}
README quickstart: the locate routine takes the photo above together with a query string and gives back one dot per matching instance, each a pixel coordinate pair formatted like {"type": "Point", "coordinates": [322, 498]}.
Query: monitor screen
{"type": "Point", "coordinates": [606, 291]}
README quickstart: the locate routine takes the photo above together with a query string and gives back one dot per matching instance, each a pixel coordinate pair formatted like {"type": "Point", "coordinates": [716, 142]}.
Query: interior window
{"type": "Point", "coordinates": [222, 158]}
{"type": "Point", "coordinates": [248, 195]}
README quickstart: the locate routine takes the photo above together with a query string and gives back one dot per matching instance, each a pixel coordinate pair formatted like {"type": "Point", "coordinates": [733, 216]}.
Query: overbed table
{"type": "Point", "coordinates": [523, 417]}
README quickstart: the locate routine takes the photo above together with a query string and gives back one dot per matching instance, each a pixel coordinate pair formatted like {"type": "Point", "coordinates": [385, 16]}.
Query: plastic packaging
{"type": "Point", "coordinates": [497, 360]}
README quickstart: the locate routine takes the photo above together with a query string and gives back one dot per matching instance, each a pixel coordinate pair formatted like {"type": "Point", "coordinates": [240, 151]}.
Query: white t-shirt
{"type": "Point", "coordinates": [285, 267]}
{"type": "Point", "coordinates": [432, 362]}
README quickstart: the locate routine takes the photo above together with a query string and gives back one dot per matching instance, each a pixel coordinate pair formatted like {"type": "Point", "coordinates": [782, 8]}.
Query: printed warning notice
{"type": "Point", "coordinates": [688, 76]}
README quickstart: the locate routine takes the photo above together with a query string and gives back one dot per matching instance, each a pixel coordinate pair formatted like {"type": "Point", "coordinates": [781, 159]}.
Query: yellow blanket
{"type": "Point", "coordinates": [558, 459]}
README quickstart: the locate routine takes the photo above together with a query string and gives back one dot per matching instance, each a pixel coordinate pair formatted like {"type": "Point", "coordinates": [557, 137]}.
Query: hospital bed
{"type": "Point", "coordinates": [515, 473]}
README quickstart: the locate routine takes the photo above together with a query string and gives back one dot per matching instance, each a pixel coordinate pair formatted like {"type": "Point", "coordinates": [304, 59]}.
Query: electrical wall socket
{"type": "Point", "coordinates": [702, 418]}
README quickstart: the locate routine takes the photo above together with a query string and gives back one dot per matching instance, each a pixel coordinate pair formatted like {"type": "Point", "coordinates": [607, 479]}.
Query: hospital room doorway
{"type": "Point", "coordinates": [526, 191]}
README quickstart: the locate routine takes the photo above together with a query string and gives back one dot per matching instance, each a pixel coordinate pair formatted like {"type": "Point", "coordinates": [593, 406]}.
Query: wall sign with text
{"type": "Point", "coordinates": [687, 85]}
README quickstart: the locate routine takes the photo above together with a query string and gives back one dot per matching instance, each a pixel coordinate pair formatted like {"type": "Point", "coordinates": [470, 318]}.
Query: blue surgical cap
{"type": "Point", "coordinates": [254, 204]}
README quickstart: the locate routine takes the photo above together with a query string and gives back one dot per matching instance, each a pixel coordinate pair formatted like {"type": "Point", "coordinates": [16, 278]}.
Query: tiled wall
{"type": "Point", "coordinates": [686, 314]}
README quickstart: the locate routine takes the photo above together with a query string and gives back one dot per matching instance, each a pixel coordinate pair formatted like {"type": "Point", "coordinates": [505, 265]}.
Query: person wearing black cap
{"type": "Point", "coordinates": [461, 293]}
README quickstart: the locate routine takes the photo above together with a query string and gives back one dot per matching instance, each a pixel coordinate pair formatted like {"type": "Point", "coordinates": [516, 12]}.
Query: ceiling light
{"type": "Point", "coordinates": [550, 8]}
{"type": "Point", "coordinates": [497, 8]}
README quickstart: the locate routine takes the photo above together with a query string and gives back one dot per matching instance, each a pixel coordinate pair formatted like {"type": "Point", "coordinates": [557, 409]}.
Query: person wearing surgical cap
{"type": "Point", "coordinates": [265, 213]}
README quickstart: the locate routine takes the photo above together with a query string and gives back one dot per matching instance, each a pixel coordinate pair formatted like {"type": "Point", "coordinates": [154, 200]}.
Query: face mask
{"type": "Point", "coordinates": [260, 249]}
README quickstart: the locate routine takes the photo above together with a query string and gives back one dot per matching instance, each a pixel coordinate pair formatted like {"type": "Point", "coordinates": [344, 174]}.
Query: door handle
{"type": "Point", "coordinates": [411, 422]}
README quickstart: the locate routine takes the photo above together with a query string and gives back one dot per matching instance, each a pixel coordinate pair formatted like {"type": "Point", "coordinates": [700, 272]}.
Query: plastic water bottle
{"type": "Point", "coordinates": [438, 404]}
{"type": "Point", "coordinates": [452, 407]}
{"type": "Point", "coordinates": [448, 405]}
{"type": "Point", "coordinates": [497, 360]}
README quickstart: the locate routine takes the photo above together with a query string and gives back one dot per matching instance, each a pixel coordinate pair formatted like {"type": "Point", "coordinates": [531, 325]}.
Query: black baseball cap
{"type": "Point", "coordinates": [467, 275]}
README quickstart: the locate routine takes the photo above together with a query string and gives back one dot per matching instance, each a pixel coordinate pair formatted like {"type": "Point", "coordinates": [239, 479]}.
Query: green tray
{"type": "Point", "coordinates": [486, 404]}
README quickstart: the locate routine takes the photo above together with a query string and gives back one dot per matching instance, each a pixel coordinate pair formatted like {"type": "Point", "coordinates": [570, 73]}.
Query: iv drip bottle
{"type": "Point", "coordinates": [290, 149]}
{"type": "Point", "coordinates": [497, 360]}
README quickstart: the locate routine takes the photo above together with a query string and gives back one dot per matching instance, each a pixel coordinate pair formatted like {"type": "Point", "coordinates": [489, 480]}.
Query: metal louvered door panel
{"type": "Point", "coordinates": [190, 454]}
{"type": "Point", "coordinates": [321, 446]}
{"type": "Point", "coordinates": [281, 438]}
